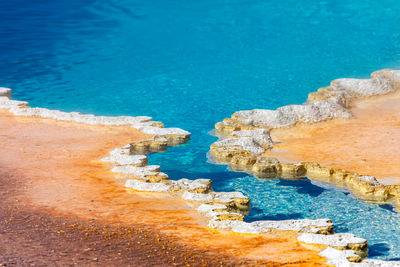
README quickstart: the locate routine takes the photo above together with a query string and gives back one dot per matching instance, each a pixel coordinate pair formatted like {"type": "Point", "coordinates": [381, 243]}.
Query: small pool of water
{"type": "Point", "coordinates": [192, 63]}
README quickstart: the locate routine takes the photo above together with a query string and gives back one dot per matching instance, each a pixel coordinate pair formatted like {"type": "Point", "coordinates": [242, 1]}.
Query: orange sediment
{"type": "Point", "coordinates": [367, 144]}
{"type": "Point", "coordinates": [64, 177]}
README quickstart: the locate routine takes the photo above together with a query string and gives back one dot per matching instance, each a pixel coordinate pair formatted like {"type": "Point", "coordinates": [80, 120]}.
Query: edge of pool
{"type": "Point", "coordinates": [245, 136]}
{"type": "Point", "coordinates": [223, 209]}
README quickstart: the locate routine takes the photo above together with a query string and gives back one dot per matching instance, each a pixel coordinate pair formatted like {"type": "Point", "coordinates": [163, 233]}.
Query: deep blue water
{"type": "Point", "coordinates": [192, 63]}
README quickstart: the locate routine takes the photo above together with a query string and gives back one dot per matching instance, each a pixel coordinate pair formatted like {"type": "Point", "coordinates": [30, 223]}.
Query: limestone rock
{"type": "Point", "coordinates": [286, 116]}
{"type": "Point", "coordinates": [175, 136]}
{"type": "Point", "coordinates": [235, 199]}
{"type": "Point", "coordinates": [323, 93]}
{"type": "Point", "coordinates": [150, 173]}
{"type": "Point", "coordinates": [363, 87]}
{"type": "Point", "coordinates": [120, 151]}
{"type": "Point", "coordinates": [264, 170]}
{"type": "Point", "coordinates": [320, 226]}
{"type": "Point", "coordinates": [260, 136]}
{"type": "Point", "coordinates": [82, 118]}
{"type": "Point", "coordinates": [236, 226]}
{"type": "Point", "coordinates": [152, 144]}
{"type": "Point", "coordinates": [393, 76]}
{"type": "Point", "coordinates": [287, 170]}
{"type": "Point", "coordinates": [378, 263]}
{"type": "Point", "coordinates": [369, 179]}
{"type": "Point", "coordinates": [313, 226]}
{"type": "Point", "coordinates": [197, 197]}
{"type": "Point", "coordinates": [143, 186]}
{"type": "Point", "coordinates": [124, 159]}
{"type": "Point", "coordinates": [348, 258]}
{"type": "Point", "coordinates": [241, 151]}
{"type": "Point", "coordinates": [227, 216]}
{"type": "Point", "coordinates": [207, 208]}
{"type": "Point", "coordinates": [340, 241]}
{"type": "Point", "coordinates": [201, 186]}
{"type": "Point", "coordinates": [5, 92]}
{"type": "Point", "coordinates": [242, 163]}
{"type": "Point", "coordinates": [340, 258]}
{"type": "Point", "coordinates": [6, 103]}
{"type": "Point", "coordinates": [136, 170]}
{"type": "Point", "coordinates": [265, 167]}
{"type": "Point", "coordinates": [239, 144]}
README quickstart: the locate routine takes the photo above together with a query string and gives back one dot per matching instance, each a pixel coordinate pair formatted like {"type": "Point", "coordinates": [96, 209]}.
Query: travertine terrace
{"type": "Point", "coordinates": [223, 210]}
{"type": "Point", "coordinates": [66, 175]}
{"type": "Point", "coordinates": [249, 139]}
{"type": "Point", "coordinates": [254, 140]}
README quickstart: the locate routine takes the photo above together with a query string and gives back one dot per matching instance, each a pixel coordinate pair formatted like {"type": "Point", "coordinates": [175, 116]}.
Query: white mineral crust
{"type": "Point", "coordinates": [335, 240]}
{"type": "Point", "coordinates": [143, 186]}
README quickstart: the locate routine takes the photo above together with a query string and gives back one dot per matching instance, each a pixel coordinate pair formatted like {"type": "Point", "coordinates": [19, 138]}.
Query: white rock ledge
{"type": "Point", "coordinates": [5, 92]}
{"type": "Point", "coordinates": [6, 103]}
{"type": "Point", "coordinates": [136, 171]}
{"type": "Point", "coordinates": [325, 225]}
{"type": "Point", "coordinates": [121, 159]}
{"type": "Point", "coordinates": [339, 257]}
{"type": "Point", "coordinates": [193, 186]}
{"type": "Point", "coordinates": [164, 131]}
{"type": "Point", "coordinates": [197, 197]}
{"type": "Point", "coordinates": [247, 135]}
{"type": "Point", "coordinates": [344, 258]}
{"type": "Point", "coordinates": [240, 143]}
{"type": "Point", "coordinates": [144, 124]}
{"type": "Point", "coordinates": [260, 136]}
{"type": "Point", "coordinates": [221, 208]}
{"type": "Point", "coordinates": [143, 186]}
{"type": "Point", "coordinates": [335, 240]}
{"type": "Point", "coordinates": [248, 132]}
{"type": "Point", "coordinates": [206, 208]}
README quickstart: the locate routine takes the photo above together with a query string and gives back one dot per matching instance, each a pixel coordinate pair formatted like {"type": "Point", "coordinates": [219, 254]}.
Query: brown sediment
{"type": "Point", "coordinates": [367, 144]}
{"type": "Point", "coordinates": [56, 197]}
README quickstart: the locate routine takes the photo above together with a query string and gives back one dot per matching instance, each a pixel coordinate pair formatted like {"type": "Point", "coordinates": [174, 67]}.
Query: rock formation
{"type": "Point", "coordinates": [246, 136]}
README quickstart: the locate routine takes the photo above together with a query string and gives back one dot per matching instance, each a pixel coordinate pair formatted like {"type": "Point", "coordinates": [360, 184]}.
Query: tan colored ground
{"type": "Point", "coordinates": [51, 183]}
{"type": "Point", "coordinates": [368, 144]}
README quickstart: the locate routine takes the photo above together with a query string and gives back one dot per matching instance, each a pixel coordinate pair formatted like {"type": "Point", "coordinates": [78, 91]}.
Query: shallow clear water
{"type": "Point", "coordinates": [192, 63]}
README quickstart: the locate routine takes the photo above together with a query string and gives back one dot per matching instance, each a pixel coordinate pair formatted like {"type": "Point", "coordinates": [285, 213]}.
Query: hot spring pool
{"type": "Point", "coordinates": [192, 63]}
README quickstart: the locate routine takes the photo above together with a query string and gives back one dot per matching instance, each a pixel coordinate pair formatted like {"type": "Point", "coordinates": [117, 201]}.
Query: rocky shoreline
{"type": "Point", "coordinates": [223, 210]}
{"type": "Point", "coordinates": [245, 137]}
{"type": "Point", "coordinates": [160, 137]}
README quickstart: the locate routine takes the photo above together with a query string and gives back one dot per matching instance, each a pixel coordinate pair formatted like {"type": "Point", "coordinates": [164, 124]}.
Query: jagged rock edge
{"type": "Point", "coordinates": [238, 146]}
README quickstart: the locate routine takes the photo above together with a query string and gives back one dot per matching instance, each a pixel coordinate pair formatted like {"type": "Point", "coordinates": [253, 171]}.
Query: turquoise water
{"type": "Point", "coordinates": [192, 63]}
